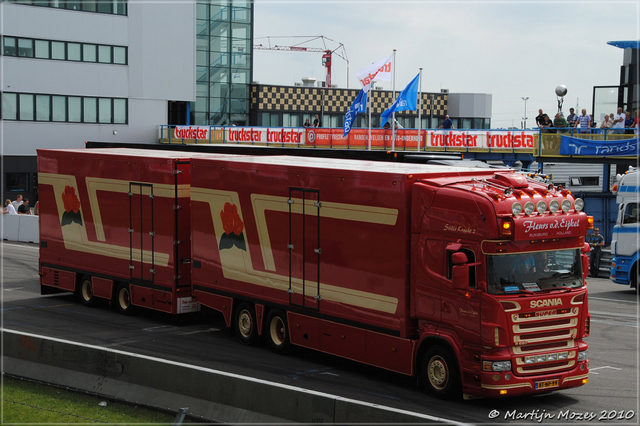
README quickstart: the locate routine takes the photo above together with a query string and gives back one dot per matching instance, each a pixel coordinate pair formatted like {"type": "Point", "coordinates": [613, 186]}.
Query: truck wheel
{"type": "Point", "coordinates": [85, 291]}
{"type": "Point", "coordinates": [439, 373]}
{"type": "Point", "coordinates": [245, 324]}
{"type": "Point", "coordinates": [278, 332]}
{"type": "Point", "coordinates": [122, 299]}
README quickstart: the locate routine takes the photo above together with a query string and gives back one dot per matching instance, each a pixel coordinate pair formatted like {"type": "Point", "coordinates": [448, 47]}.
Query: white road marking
{"type": "Point", "coordinates": [605, 366]}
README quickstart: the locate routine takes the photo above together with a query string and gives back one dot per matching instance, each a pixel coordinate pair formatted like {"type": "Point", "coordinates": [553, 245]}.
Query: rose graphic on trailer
{"type": "Point", "coordinates": [233, 227]}
{"type": "Point", "coordinates": [71, 205]}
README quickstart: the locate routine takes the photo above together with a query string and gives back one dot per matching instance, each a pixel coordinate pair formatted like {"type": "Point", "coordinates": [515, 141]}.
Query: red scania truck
{"type": "Point", "coordinates": [472, 280]}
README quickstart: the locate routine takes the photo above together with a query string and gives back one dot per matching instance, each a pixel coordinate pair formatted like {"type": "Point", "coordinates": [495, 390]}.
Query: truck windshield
{"type": "Point", "coordinates": [534, 272]}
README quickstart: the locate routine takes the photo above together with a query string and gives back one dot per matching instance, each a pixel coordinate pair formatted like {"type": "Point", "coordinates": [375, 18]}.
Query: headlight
{"type": "Point", "coordinates": [578, 204]}
{"type": "Point", "coordinates": [566, 206]}
{"type": "Point", "coordinates": [582, 355]}
{"type": "Point", "coordinates": [516, 209]}
{"type": "Point", "coordinates": [496, 366]}
{"type": "Point", "coordinates": [541, 207]}
{"type": "Point", "coordinates": [554, 205]}
{"type": "Point", "coordinates": [528, 208]}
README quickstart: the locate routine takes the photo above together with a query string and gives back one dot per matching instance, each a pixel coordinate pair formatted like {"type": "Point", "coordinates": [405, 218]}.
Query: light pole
{"type": "Point", "coordinates": [525, 111]}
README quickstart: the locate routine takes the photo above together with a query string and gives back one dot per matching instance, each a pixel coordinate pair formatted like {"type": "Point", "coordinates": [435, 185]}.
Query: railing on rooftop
{"type": "Point", "coordinates": [534, 142]}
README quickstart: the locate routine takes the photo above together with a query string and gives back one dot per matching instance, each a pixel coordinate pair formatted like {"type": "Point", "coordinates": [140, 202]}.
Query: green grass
{"type": "Point", "coordinates": [29, 402]}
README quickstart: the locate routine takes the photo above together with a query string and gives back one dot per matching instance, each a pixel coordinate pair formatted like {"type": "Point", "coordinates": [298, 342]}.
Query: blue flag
{"type": "Point", "coordinates": [358, 106]}
{"type": "Point", "coordinates": [407, 101]}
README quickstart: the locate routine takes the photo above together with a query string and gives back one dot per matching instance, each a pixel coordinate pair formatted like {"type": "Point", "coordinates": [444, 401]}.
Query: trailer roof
{"type": "Point", "coordinates": [132, 152]}
{"type": "Point", "coordinates": [358, 165]}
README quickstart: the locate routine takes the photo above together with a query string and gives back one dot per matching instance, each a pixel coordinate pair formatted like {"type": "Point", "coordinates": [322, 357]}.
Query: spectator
{"type": "Point", "coordinates": [317, 122]}
{"type": "Point", "coordinates": [17, 202]}
{"type": "Point", "coordinates": [618, 121]}
{"type": "Point", "coordinates": [628, 123]}
{"type": "Point", "coordinates": [636, 122]}
{"type": "Point", "coordinates": [24, 207]}
{"type": "Point", "coordinates": [572, 118]}
{"type": "Point", "coordinates": [584, 121]}
{"type": "Point", "coordinates": [306, 123]}
{"type": "Point", "coordinates": [447, 124]}
{"type": "Point", "coordinates": [545, 124]}
{"type": "Point", "coordinates": [8, 208]}
{"type": "Point", "coordinates": [559, 122]}
{"type": "Point", "coordinates": [606, 123]}
{"type": "Point", "coordinates": [540, 118]}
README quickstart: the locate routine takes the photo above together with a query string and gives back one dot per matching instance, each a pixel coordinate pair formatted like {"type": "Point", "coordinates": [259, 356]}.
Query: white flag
{"type": "Point", "coordinates": [380, 71]}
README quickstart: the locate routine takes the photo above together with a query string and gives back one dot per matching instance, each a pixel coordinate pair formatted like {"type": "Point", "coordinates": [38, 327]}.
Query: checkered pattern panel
{"type": "Point", "coordinates": [337, 101]}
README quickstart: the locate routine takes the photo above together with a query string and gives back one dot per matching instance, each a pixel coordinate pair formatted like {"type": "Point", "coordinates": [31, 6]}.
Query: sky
{"type": "Point", "coordinates": [509, 49]}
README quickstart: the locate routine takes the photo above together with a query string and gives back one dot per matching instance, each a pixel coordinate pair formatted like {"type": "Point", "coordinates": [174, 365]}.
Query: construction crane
{"type": "Point", "coordinates": [339, 51]}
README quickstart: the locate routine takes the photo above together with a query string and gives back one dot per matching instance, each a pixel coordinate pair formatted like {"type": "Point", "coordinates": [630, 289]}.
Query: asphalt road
{"type": "Point", "coordinates": [202, 339]}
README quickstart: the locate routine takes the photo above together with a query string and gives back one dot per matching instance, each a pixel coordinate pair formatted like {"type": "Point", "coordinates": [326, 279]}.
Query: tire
{"type": "Point", "coordinates": [122, 299]}
{"type": "Point", "coordinates": [277, 332]}
{"type": "Point", "coordinates": [244, 324]}
{"type": "Point", "coordinates": [439, 373]}
{"type": "Point", "coordinates": [85, 291]}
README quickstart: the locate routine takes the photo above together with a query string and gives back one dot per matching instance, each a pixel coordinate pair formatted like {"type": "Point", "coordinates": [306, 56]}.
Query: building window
{"type": "Point", "coordinates": [59, 108]}
{"type": "Point", "coordinates": [64, 51]}
{"type": "Point", "coordinates": [17, 182]}
{"type": "Point", "coordinates": [42, 49]}
{"type": "Point", "coordinates": [43, 107]}
{"type": "Point", "coordinates": [26, 107]}
{"type": "Point", "coordinates": [25, 47]}
{"type": "Point", "coordinates": [114, 7]}
{"type": "Point", "coordinates": [9, 106]}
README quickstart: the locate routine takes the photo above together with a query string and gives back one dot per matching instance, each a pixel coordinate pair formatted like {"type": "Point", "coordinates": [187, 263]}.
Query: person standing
{"type": "Point", "coordinates": [572, 118]}
{"type": "Point", "coordinates": [596, 241]}
{"type": "Point", "coordinates": [606, 123]}
{"type": "Point", "coordinates": [317, 122]}
{"type": "Point", "coordinates": [559, 122]}
{"type": "Point", "coordinates": [17, 202]}
{"type": "Point", "coordinates": [540, 118]}
{"type": "Point", "coordinates": [447, 124]}
{"type": "Point", "coordinates": [618, 121]}
{"type": "Point", "coordinates": [628, 123]}
{"type": "Point", "coordinates": [306, 123]}
{"type": "Point", "coordinates": [584, 121]}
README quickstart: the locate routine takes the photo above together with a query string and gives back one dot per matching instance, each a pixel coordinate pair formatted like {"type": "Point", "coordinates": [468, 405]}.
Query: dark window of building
{"type": "Point", "coordinates": [17, 182]}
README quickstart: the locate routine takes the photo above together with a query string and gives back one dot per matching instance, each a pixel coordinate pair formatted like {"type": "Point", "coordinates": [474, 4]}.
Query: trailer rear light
{"type": "Point", "coordinates": [496, 365]}
{"type": "Point", "coordinates": [589, 222]}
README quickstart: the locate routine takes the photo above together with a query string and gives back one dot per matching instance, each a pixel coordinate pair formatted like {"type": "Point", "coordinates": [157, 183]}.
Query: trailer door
{"type": "Point", "coordinates": [141, 232]}
{"type": "Point", "coordinates": [304, 248]}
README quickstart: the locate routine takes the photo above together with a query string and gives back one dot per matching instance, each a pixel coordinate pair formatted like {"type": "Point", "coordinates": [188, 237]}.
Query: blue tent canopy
{"type": "Point", "coordinates": [631, 44]}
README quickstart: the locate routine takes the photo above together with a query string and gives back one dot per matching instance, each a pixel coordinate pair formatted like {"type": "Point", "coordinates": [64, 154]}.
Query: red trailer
{"type": "Point", "coordinates": [471, 279]}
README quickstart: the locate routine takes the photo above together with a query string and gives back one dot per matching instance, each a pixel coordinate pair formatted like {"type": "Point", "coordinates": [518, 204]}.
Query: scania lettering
{"type": "Point", "coordinates": [435, 272]}
{"type": "Point", "coordinates": [624, 242]}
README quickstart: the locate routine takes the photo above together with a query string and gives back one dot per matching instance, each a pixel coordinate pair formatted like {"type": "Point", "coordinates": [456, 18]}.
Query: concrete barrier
{"type": "Point", "coordinates": [212, 395]}
{"type": "Point", "coordinates": [20, 227]}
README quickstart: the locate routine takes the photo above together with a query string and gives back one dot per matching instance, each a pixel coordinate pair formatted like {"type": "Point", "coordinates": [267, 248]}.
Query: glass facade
{"type": "Point", "coordinates": [223, 62]}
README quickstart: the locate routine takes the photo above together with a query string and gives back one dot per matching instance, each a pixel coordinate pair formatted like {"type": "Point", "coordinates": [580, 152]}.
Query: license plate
{"type": "Point", "coordinates": [548, 384]}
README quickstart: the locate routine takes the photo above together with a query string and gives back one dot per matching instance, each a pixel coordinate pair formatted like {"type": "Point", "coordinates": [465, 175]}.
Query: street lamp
{"type": "Point", "coordinates": [525, 111]}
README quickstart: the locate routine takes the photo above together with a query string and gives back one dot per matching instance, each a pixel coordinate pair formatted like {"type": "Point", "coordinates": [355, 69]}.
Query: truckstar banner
{"type": "Point", "coordinates": [409, 138]}
{"type": "Point", "coordinates": [608, 148]}
{"type": "Point", "coordinates": [241, 134]}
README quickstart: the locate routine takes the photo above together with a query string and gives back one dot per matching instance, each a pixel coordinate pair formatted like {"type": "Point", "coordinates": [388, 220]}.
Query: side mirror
{"type": "Point", "coordinates": [585, 266]}
{"type": "Point", "coordinates": [459, 258]}
{"type": "Point", "coordinates": [460, 277]}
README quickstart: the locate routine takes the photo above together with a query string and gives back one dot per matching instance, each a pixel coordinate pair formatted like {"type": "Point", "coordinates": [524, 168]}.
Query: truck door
{"type": "Point", "coordinates": [182, 241]}
{"type": "Point", "coordinates": [304, 248]}
{"type": "Point", "coordinates": [141, 232]}
{"type": "Point", "coordinates": [460, 308]}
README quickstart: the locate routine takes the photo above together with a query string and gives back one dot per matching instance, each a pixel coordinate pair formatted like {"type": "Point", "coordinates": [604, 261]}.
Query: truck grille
{"type": "Point", "coordinates": [544, 340]}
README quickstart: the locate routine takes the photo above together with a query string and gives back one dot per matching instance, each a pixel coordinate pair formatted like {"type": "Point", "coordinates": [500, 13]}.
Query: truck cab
{"type": "Point", "coordinates": [624, 242]}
